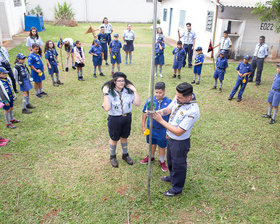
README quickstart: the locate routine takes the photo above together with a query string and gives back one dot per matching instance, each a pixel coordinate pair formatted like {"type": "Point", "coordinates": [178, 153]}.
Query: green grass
{"type": "Point", "coordinates": [56, 168]}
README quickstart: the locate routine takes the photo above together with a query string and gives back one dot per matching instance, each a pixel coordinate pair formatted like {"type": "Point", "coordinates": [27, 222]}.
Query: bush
{"type": "Point", "coordinates": [63, 12]}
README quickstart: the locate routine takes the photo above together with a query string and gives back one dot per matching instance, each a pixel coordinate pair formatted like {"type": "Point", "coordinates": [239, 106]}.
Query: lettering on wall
{"type": "Point", "coordinates": [266, 26]}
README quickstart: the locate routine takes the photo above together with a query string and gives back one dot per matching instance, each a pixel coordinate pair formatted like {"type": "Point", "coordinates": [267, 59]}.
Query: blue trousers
{"type": "Point", "coordinates": [257, 63]}
{"type": "Point", "coordinates": [189, 54]}
{"type": "Point", "coordinates": [177, 152]}
{"type": "Point", "coordinates": [235, 88]}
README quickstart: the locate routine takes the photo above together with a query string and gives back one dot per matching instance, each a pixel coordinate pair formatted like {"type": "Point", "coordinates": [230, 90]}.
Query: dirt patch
{"type": "Point", "coordinates": [6, 156]}
{"type": "Point", "coordinates": [122, 190]}
{"type": "Point", "coordinates": [65, 22]}
{"type": "Point", "coordinates": [51, 215]}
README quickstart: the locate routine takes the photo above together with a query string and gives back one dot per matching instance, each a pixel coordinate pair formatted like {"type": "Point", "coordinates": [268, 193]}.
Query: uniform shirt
{"type": "Point", "coordinates": [36, 61]}
{"type": "Point", "coordinates": [116, 46]}
{"type": "Point", "coordinates": [108, 28]}
{"type": "Point", "coordinates": [51, 55]}
{"type": "Point", "coordinates": [179, 54]}
{"type": "Point", "coordinates": [188, 36]}
{"type": "Point", "coordinates": [71, 42]}
{"type": "Point", "coordinates": [225, 43]}
{"type": "Point", "coordinates": [158, 50]}
{"type": "Point", "coordinates": [4, 55]}
{"type": "Point", "coordinates": [222, 63]}
{"type": "Point", "coordinates": [199, 58]}
{"type": "Point", "coordinates": [96, 50]}
{"type": "Point", "coordinates": [7, 87]}
{"type": "Point", "coordinates": [159, 105]}
{"type": "Point", "coordinates": [276, 82]}
{"type": "Point", "coordinates": [24, 71]}
{"type": "Point", "coordinates": [121, 103]}
{"type": "Point", "coordinates": [103, 38]}
{"type": "Point", "coordinates": [261, 50]}
{"type": "Point", "coordinates": [183, 116]}
{"type": "Point", "coordinates": [244, 68]}
{"type": "Point", "coordinates": [129, 35]}
{"type": "Point", "coordinates": [31, 41]}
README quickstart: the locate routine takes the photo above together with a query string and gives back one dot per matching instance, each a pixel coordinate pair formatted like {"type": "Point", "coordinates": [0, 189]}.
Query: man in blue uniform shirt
{"type": "Point", "coordinates": [220, 71]}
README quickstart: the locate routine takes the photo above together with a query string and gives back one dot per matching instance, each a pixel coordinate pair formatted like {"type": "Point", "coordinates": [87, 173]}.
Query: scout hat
{"type": "Point", "coordinates": [116, 35]}
{"type": "Point", "coordinates": [21, 56]}
{"type": "Point", "coordinates": [198, 49]}
{"type": "Point", "coordinates": [247, 57]}
{"type": "Point", "coordinates": [119, 74]}
{"type": "Point", "coordinates": [3, 70]}
{"type": "Point", "coordinates": [222, 52]}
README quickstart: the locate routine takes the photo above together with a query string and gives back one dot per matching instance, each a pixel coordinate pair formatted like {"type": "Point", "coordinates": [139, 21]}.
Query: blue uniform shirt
{"type": "Point", "coordinates": [36, 61]}
{"type": "Point", "coordinates": [157, 49]}
{"type": "Point", "coordinates": [116, 46]}
{"type": "Point", "coordinates": [7, 87]}
{"type": "Point", "coordinates": [129, 35]}
{"type": "Point", "coordinates": [96, 50]}
{"type": "Point", "coordinates": [199, 58]}
{"type": "Point", "coordinates": [276, 82]}
{"type": "Point", "coordinates": [103, 38]}
{"type": "Point", "coordinates": [179, 54]}
{"type": "Point", "coordinates": [222, 63]}
{"type": "Point", "coordinates": [244, 68]}
{"type": "Point", "coordinates": [51, 55]}
{"type": "Point", "coordinates": [188, 36]}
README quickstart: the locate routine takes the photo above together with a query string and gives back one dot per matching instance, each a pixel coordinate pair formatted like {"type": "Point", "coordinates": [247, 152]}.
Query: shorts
{"type": "Point", "coordinates": [159, 59]}
{"type": "Point", "coordinates": [119, 126]}
{"type": "Point", "coordinates": [97, 60]}
{"type": "Point", "coordinates": [53, 69]}
{"type": "Point", "coordinates": [117, 60]}
{"type": "Point", "coordinates": [11, 102]}
{"type": "Point", "coordinates": [197, 69]}
{"type": "Point", "coordinates": [219, 73]}
{"type": "Point", "coordinates": [162, 143]}
{"type": "Point", "coordinates": [274, 98]}
{"type": "Point", "coordinates": [79, 65]}
{"type": "Point", "coordinates": [70, 50]}
{"type": "Point", "coordinates": [177, 65]}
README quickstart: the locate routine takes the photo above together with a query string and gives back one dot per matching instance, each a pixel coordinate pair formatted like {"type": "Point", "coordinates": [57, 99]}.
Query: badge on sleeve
{"type": "Point", "coordinates": [181, 113]}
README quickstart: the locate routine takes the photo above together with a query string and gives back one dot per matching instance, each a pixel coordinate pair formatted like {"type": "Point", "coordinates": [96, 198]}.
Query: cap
{"type": "Point", "coordinates": [278, 65]}
{"type": "Point", "coordinates": [222, 52]}
{"type": "Point", "coordinates": [198, 49]}
{"type": "Point", "coordinates": [95, 40]}
{"type": "Point", "coordinates": [119, 74]}
{"type": "Point", "coordinates": [20, 56]}
{"type": "Point", "coordinates": [3, 70]}
{"type": "Point", "coordinates": [247, 57]}
{"type": "Point", "coordinates": [160, 39]}
{"type": "Point", "coordinates": [116, 35]}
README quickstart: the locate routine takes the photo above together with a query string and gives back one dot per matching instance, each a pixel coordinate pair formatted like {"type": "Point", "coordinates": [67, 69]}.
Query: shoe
{"type": "Point", "coordinates": [220, 90]}
{"type": "Point", "coordinates": [107, 63]}
{"type": "Point", "coordinates": [114, 161]}
{"type": "Point", "coordinates": [101, 74]}
{"type": "Point", "coordinates": [81, 79]}
{"type": "Point", "coordinates": [258, 84]}
{"type": "Point", "coordinates": [74, 67]}
{"type": "Point", "coordinates": [146, 160]}
{"type": "Point", "coordinates": [197, 83]}
{"type": "Point", "coordinates": [155, 74]}
{"type": "Point", "coordinates": [214, 87]}
{"type": "Point", "coordinates": [250, 80]}
{"type": "Point", "coordinates": [266, 116]}
{"type": "Point", "coordinates": [39, 95]}
{"type": "Point", "coordinates": [59, 82]}
{"type": "Point", "coordinates": [174, 76]}
{"type": "Point", "coordinates": [55, 84]}
{"type": "Point", "coordinates": [126, 62]}
{"type": "Point", "coordinates": [193, 82]}
{"type": "Point", "coordinates": [169, 193]}
{"type": "Point", "coordinates": [163, 166]}
{"type": "Point", "coordinates": [66, 69]}
{"type": "Point", "coordinates": [26, 111]}
{"type": "Point", "coordinates": [11, 126]}
{"type": "Point", "coordinates": [30, 106]}
{"type": "Point", "coordinates": [130, 63]}
{"type": "Point", "coordinates": [4, 140]}
{"type": "Point", "coordinates": [94, 75]}
{"type": "Point", "coordinates": [239, 100]}
{"type": "Point", "coordinates": [229, 98]}
{"type": "Point", "coordinates": [179, 76]}
{"type": "Point", "coordinates": [16, 91]}
{"type": "Point", "coordinates": [44, 93]}
{"type": "Point", "coordinates": [2, 144]}
{"type": "Point", "coordinates": [272, 121]}
{"type": "Point", "coordinates": [166, 179]}
{"type": "Point", "coordinates": [14, 121]}
{"type": "Point", "coordinates": [127, 159]}
{"type": "Point", "coordinates": [190, 66]}
{"type": "Point", "coordinates": [160, 75]}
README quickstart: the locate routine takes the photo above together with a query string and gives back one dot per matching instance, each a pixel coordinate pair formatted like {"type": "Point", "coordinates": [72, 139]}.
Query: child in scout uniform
{"type": "Point", "coordinates": [104, 38]}
{"type": "Point", "coordinates": [244, 69]}
{"type": "Point", "coordinates": [179, 55]}
{"type": "Point", "coordinates": [80, 59]}
{"type": "Point", "coordinates": [37, 70]}
{"type": "Point", "coordinates": [159, 132]}
{"type": "Point", "coordinates": [159, 55]}
{"type": "Point", "coordinates": [51, 58]}
{"type": "Point", "coordinates": [22, 75]}
{"type": "Point", "coordinates": [198, 62]}
{"type": "Point", "coordinates": [7, 88]}
{"type": "Point", "coordinates": [97, 55]}
{"type": "Point", "coordinates": [69, 48]}
{"type": "Point", "coordinates": [273, 98]}
{"type": "Point", "coordinates": [119, 95]}
{"type": "Point", "coordinates": [115, 52]}
{"type": "Point", "coordinates": [220, 71]}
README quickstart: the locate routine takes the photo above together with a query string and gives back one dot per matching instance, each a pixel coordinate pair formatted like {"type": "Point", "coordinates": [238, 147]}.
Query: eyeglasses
{"type": "Point", "coordinates": [120, 81]}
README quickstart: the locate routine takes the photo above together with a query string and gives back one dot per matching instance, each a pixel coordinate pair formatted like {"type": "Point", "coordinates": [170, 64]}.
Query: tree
{"type": "Point", "coordinates": [269, 11]}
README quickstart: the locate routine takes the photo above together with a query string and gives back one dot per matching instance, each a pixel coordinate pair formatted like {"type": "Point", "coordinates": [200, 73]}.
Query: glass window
{"type": "Point", "coordinates": [164, 15]}
{"type": "Point", "coordinates": [182, 18]}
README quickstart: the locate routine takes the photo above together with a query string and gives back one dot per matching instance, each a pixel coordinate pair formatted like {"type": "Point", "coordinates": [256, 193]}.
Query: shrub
{"type": "Point", "coordinates": [63, 12]}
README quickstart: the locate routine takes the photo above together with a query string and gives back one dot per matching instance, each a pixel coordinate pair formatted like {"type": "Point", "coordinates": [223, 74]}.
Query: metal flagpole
{"type": "Point", "coordinates": [152, 97]}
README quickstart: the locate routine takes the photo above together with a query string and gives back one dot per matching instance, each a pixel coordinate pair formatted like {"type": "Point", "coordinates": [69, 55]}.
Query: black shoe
{"type": "Point", "coordinates": [266, 116]}
{"type": "Point", "coordinates": [220, 90]}
{"type": "Point", "coordinates": [239, 100]}
{"type": "Point", "coordinates": [74, 67]}
{"type": "Point", "coordinates": [39, 95]}
{"type": "Point", "coordinates": [59, 82]}
{"type": "Point", "coordinates": [101, 74]}
{"type": "Point", "coordinates": [169, 193]}
{"type": "Point", "coordinates": [94, 75]}
{"type": "Point", "coordinates": [229, 98]}
{"type": "Point", "coordinates": [166, 179]}
{"type": "Point", "coordinates": [197, 83]}
{"type": "Point", "coordinates": [214, 87]}
{"type": "Point", "coordinates": [258, 83]}
{"type": "Point", "coordinates": [82, 79]}
{"type": "Point", "coordinates": [66, 69]}
{"type": "Point", "coordinates": [107, 63]}
{"type": "Point", "coordinates": [16, 91]}
{"type": "Point", "coordinates": [179, 76]}
{"type": "Point", "coordinates": [26, 111]}
{"type": "Point", "coordinates": [174, 76]}
{"type": "Point", "coordinates": [44, 93]}
{"type": "Point", "coordinates": [114, 161]}
{"type": "Point", "coordinates": [190, 66]}
{"type": "Point", "coordinates": [193, 82]}
{"type": "Point", "coordinates": [250, 80]}
{"type": "Point", "coordinates": [127, 159]}
{"type": "Point", "coordinates": [272, 121]}
{"type": "Point", "coordinates": [55, 84]}
{"type": "Point", "coordinates": [30, 106]}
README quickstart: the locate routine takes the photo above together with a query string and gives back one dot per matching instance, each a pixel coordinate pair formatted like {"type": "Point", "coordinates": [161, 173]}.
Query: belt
{"type": "Point", "coordinates": [167, 137]}
{"type": "Point", "coordinates": [276, 90]}
{"type": "Point", "coordinates": [123, 115]}
{"type": "Point", "coordinates": [257, 57]}
{"type": "Point", "coordinates": [220, 68]}
{"type": "Point", "coordinates": [188, 44]}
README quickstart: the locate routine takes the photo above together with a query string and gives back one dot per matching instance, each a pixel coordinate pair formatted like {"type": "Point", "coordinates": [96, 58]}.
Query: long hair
{"type": "Point", "coordinates": [104, 19]}
{"type": "Point", "coordinates": [47, 45]}
{"type": "Point", "coordinates": [37, 45]}
{"type": "Point", "coordinates": [30, 33]}
{"type": "Point", "coordinates": [111, 85]}
{"type": "Point", "coordinates": [66, 45]}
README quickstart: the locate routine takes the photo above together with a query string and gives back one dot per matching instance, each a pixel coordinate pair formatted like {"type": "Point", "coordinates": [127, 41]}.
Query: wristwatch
{"type": "Point", "coordinates": [105, 94]}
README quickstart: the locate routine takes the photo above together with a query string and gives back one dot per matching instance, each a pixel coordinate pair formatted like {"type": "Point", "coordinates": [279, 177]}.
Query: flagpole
{"type": "Point", "coordinates": [60, 50]}
{"type": "Point", "coordinates": [152, 97]}
{"type": "Point", "coordinates": [212, 55]}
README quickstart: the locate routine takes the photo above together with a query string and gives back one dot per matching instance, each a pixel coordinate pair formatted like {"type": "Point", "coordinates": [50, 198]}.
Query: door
{"type": "Point", "coordinates": [170, 21]}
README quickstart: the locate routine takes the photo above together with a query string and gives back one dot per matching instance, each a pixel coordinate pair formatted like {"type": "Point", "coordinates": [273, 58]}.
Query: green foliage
{"type": "Point", "coordinates": [36, 11]}
{"type": "Point", "coordinates": [269, 12]}
{"type": "Point", "coordinates": [63, 11]}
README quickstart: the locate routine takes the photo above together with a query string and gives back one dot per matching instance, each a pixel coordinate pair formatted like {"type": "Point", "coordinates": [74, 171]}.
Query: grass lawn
{"type": "Point", "coordinates": [56, 168]}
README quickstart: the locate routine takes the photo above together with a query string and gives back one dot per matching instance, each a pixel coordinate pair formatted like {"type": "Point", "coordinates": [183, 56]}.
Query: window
{"type": "Point", "coordinates": [209, 20]}
{"type": "Point", "coordinates": [182, 18]}
{"type": "Point", "coordinates": [17, 3]}
{"type": "Point", "coordinates": [164, 15]}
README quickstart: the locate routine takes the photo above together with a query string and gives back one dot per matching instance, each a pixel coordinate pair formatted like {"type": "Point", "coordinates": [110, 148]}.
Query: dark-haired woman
{"type": "Point", "coordinates": [128, 47]}
{"type": "Point", "coordinates": [119, 95]}
{"type": "Point", "coordinates": [34, 39]}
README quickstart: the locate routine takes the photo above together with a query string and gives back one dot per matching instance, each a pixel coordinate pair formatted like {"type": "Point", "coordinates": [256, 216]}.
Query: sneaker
{"type": "Point", "coordinates": [30, 106]}
{"type": "Point", "coordinates": [220, 90]}
{"type": "Point", "coordinates": [266, 116]}
{"type": "Point", "coordinates": [59, 82]}
{"type": "Point", "coordinates": [166, 179]}
{"type": "Point", "coordinates": [66, 69]}
{"type": "Point", "coordinates": [44, 93]}
{"type": "Point", "coordinates": [127, 159]}
{"type": "Point", "coordinates": [190, 66]}
{"type": "Point", "coordinates": [16, 91]}
{"type": "Point", "coordinates": [107, 63]}
{"type": "Point", "coordinates": [163, 166]}
{"type": "Point", "coordinates": [155, 74]}
{"type": "Point", "coordinates": [193, 82]}
{"type": "Point", "coordinates": [229, 98]}
{"type": "Point", "coordinates": [94, 75]}
{"type": "Point", "coordinates": [26, 111]}
{"type": "Point", "coordinates": [11, 126]}
{"type": "Point", "coordinates": [39, 95]}
{"type": "Point", "coordinates": [3, 144]}
{"type": "Point", "coordinates": [81, 79]}
{"type": "Point", "coordinates": [174, 76]}
{"type": "Point", "coordinates": [179, 76]}
{"type": "Point", "coordinates": [14, 121]}
{"type": "Point", "coordinates": [239, 100]}
{"type": "Point", "coordinates": [55, 84]}
{"type": "Point", "coordinates": [250, 80]}
{"type": "Point", "coordinates": [197, 83]}
{"type": "Point", "coordinates": [74, 67]}
{"type": "Point", "coordinates": [126, 62]}
{"type": "Point", "coordinates": [169, 193]}
{"type": "Point", "coordinates": [114, 161]}
{"type": "Point", "coordinates": [160, 75]}
{"type": "Point", "coordinates": [146, 160]}
{"type": "Point", "coordinates": [4, 140]}
{"type": "Point", "coordinates": [101, 74]}
{"type": "Point", "coordinates": [214, 87]}
{"type": "Point", "coordinates": [258, 83]}
{"type": "Point", "coordinates": [272, 121]}
{"type": "Point", "coordinates": [130, 63]}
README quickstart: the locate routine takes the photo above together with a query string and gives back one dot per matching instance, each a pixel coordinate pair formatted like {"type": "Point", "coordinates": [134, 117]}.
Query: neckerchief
{"type": "Point", "coordinates": [178, 107]}
{"type": "Point", "coordinates": [7, 81]}
{"type": "Point", "coordinates": [3, 56]}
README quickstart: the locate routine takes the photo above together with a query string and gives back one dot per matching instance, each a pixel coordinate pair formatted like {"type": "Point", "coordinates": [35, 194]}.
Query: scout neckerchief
{"type": "Point", "coordinates": [178, 107]}
{"type": "Point", "coordinates": [7, 81]}
{"type": "Point", "coordinates": [177, 55]}
{"type": "Point", "coordinates": [258, 50]}
{"type": "Point", "coordinates": [223, 43]}
{"type": "Point", "coordinates": [3, 56]}
{"type": "Point", "coordinates": [121, 101]}
{"type": "Point", "coordinates": [34, 39]}
{"type": "Point", "coordinates": [54, 55]}
{"type": "Point", "coordinates": [27, 72]}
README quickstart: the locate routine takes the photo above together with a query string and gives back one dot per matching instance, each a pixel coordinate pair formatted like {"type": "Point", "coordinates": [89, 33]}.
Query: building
{"type": "Point", "coordinates": [95, 10]}
{"type": "Point", "coordinates": [11, 18]}
{"type": "Point", "coordinates": [210, 18]}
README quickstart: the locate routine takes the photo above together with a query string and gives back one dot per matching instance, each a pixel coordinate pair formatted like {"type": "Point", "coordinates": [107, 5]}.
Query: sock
{"type": "Point", "coordinates": [274, 114]}
{"type": "Point", "coordinates": [94, 70]}
{"type": "Point", "coordinates": [73, 64]}
{"type": "Point", "coordinates": [78, 73]}
{"type": "Point", "coordinates": [27, 98]}
{"type": "Point", "coordinates": [269, 110]}
{"type": "Point", "coordinates": [130, 58]}
{"type": "Point", "coordinates": [124, 148]}
{"type": "Point", "coordinates": [37, 91]}
{"type": "Point", "coordinates": [7, 118]}
{"type": "Point", "coordinates": [156, 69]}
{"type": "Point", "coordinates": [40, 90]}
{"type": "Point", "coordinates": [112, 150]}
{"type": "Point", "coordinates": [24, 102]}
{"type": "Point", "coordinates": [11, 115]}
{"type": "Point", "coordinates": [67, 62]}
{"type": "Point", "coordinates": [126, 58]}
{"type": "Point", "coordinates": [198, 77]}
{"type": "Point", "coordinates": [160, 69]}
{"type": "Point", "coordinates": [194, 77]}
{"type": "Point", "coordinates": [221, 84]}
{"type": "Point", "coordinates": [81, 72]}
{"type": "Point", "coordinates": [57, 76]}
{"type": "Point", "coordinates": [161, 159]}
{"type": "Point", "coordinates": [215, 82]}
{"type": "Point", "coordinates": [113, 67]}
{"type": "Point", "coordinates": [52, 78]}
{"type": "Point", "coordinates": [99, 69]}
{"type": "Point", "coordinates": [119, 68]}
{"type": "Point", "coordinates": [152, 155]}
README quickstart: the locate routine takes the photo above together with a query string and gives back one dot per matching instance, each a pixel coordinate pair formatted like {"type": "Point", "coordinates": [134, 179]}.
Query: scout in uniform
{"type": "Point", "coordinates": [10, 96]}
{"type": "Point", "coordinates": [108, 28]}
{"type": "Point", "coordinates": [158, 132]}
{"type": "Point", "coordinates": [159, 55]}
{"type": "Point", "coordinates": [69, 48]}
{"type": "Point", "coordinates": [97, 55]}
{"type": "Point", "coordinates": [128, 38]}
{"type": "Point", "coordinates": [34, 39]}
{"type": "Point", "coordinates": [220, 71]}
{"type": "Point", "coordinates": [37, 70]}
{"type": "Point", "coordinates": [179, 54]}
{"type": "Point", "coordinates": [119, 95]}
{"type": "Point", "coordinates": [51, 58]}
{"type": "Point", "coordinates": [225, 44]}
{"type": "Point", "coordinates": [22, 75]}
{"type": "Point", "coordinates": [104, 38]}
{"type": "Point", "coordinates": [198, 62]}
{"type": "Point", "coordinates": [273, 98]}
{"type": "Point", "coordinates": [244, 69]}
{"type": "Point", "coordinates": [184, 112]}
{"type": "Point", "coordinates": [115, 52]}
{"type": "Point", "coordinates": [80, 59]}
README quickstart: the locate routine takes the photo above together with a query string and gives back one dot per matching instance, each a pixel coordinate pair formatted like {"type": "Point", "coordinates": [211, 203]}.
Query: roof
{"type": "Point", "coordinates": [242, 3]}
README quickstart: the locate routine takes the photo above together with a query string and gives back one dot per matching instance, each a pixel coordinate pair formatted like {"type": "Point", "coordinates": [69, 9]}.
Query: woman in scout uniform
{"type": "Point", "coordinates": [104, 38]}
{"type": "Point", "coordinates": [244, 69]}
{"type": "Point", "coordinates": [97, 55]}
{"type": "Point", "coordinates": [119, 95]}
{"type": "Point", "coordinates": [128, 37]}
{"type": "Point", "coordinates": [37, 70]}
{"type": "Point", "coordinates": [115, 52]}
{"type": "Point", "coordinates": [34, 39]}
